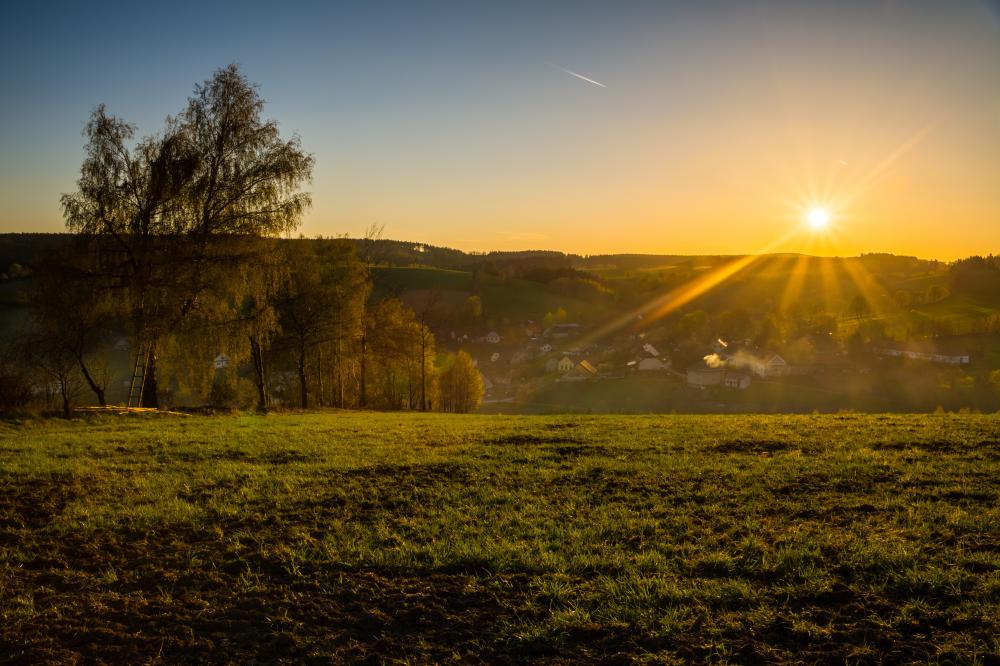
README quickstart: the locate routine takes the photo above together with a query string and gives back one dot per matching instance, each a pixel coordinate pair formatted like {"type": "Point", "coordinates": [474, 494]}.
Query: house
{"type": "Point", "coordinates": [493, 338]}
{"type": "Point", "coordinates": [565, 364]}
{"type": "Point", "coordinates": [702, 376]}
{"type": "Point", "coordinates": [546, 348]}
{"type": "Point", "coordinates": [582, 370]}
{"type": "Point", "coordinates": [773, 366]}
{"type": "Point", "coordinates": [652, 365]}
{"type": "Point", "coordinates": [221, 361]}
{"type": "Point", "coordinates": [736, 380]}
{"type": "Point", "coordinates": [495, 357]}
{"type": "Point", "coordinates": [926, 353]}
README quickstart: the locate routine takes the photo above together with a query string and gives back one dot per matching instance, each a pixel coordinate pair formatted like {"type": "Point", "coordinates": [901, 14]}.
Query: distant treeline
{"type": "Point", "coordinates": [978, 277]}
{"type": "Point", "coordinates": [536, 265]}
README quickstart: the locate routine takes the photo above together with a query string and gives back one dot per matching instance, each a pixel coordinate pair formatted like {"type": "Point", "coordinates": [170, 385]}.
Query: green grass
{"type": "Point", "coordinates": [958, 309]}
{"type": "Point", "coordinates": [420, 538]}
{"type": "Point", "coordinates": [422, 278]}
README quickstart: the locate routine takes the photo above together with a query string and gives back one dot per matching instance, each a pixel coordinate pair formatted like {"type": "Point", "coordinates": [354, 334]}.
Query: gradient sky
{"type": "Point", "coordinates": [720, 124]}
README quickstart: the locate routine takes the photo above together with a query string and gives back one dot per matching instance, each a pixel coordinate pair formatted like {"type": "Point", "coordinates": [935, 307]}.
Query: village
{"type": "Point", "coordinates": [533, 357]}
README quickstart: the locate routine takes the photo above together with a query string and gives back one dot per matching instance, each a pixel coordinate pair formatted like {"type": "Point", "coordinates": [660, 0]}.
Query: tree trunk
{"type": "Point", "coordinates": [98, 391]}
{"type": "Point", "coordinates": [340, 377]}
{"type": "Point", "coordinates": [303, 387]}
{"type": "Point", "coordinates": [258, 368]}
{"type": "Point", "coordinates": [150, 392]}
{"type": "Point", "coordinates": [321, 386]}
{"type": "Point", "coordinates": [363, 398]}
{"type": "Point", "coordinates": [64, 393]}
{"type": "Point", "coordinates": [423, 370]}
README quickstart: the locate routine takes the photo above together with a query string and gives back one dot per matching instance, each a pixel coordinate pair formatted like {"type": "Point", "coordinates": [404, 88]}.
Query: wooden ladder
{"type": "Point", "coordinates": [135, 389]}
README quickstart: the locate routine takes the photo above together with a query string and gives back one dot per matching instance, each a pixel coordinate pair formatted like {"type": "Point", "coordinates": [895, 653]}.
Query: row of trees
{"type": "Point", "coordinates": [977, 276]}
{"type": "Point", "coordinates": [318, 338]}
{"type": "Point", "coordinates": [175, 245]}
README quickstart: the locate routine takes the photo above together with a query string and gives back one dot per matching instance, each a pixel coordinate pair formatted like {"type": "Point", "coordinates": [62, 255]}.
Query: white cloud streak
{"type": "Point", "coordinates": [579, 76]}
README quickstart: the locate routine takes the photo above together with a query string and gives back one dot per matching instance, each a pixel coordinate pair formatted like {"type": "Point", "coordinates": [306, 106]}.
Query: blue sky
{"type": "Point", "coordinates": [448, 123]}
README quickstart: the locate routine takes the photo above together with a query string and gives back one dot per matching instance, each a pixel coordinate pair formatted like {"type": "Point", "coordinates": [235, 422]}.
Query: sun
{"type": "Point", "coordinates": [818, 218]}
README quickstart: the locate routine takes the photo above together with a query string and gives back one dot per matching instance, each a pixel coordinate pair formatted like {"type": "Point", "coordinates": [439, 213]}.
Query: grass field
{"type": "Point", "coordinates": [417, 538]}
{"type": "Point", "coordinates": [516, 300]}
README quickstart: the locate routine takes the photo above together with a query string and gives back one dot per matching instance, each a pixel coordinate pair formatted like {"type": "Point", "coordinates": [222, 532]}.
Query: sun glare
{"type": "Point", "coordinates": [818, 218]}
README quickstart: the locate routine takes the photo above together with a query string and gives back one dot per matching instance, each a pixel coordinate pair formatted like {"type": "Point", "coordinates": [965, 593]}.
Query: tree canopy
{"type": "Point", "coordinates": [173, 218]}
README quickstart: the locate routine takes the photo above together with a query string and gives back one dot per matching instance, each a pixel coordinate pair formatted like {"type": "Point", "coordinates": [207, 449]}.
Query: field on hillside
{"type": "Point", "coordinates": [894, 387]}
{"type": "Point", "coordinates": [513, 299]}
{"type": "Point", "coordinates": [371, 537]}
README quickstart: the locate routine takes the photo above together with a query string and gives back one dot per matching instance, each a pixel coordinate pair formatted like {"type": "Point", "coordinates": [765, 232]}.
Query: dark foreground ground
{"type": "Point", "coordinates": [377, 537]}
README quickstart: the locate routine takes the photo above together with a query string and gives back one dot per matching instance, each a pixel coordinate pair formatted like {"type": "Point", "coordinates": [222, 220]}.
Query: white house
{"type": "Point", "coordinates": [565, 364]}
{"type": "Point", "coordinates": [701, 375]}
{"type": "Point", "coordinates": [773, 366]}
{"type": "Point", "coordinates": [493, 338]}
{"type": "Point", "coordinates": [736, 380]}
{"type": "Point", "coordinates": [949, 359]}
{"type": "Point", "coordinates": [221, 361]}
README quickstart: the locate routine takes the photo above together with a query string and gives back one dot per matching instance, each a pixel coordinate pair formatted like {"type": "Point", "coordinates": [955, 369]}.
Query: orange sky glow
{"type": "Point", "coordinates": [675, 128]}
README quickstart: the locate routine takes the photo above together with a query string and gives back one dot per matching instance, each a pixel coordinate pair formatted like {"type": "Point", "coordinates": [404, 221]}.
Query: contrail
{"type": "Point", "coordinates": [579, 76]}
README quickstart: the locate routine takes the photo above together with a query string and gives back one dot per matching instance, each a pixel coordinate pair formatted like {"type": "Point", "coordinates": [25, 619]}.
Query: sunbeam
{"type": "Point", "coordinates": [796, 280]}
{"type": "Point", "coordinates": [676, 298]}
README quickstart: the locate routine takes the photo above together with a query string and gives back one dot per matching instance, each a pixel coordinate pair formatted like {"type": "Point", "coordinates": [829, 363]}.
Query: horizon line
{"type": "Point", "coordinates": [582, 255]}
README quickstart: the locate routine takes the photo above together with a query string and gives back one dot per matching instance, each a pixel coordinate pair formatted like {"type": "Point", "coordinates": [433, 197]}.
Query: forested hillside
{"type": "Point", "coordinates": [816, 312]}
